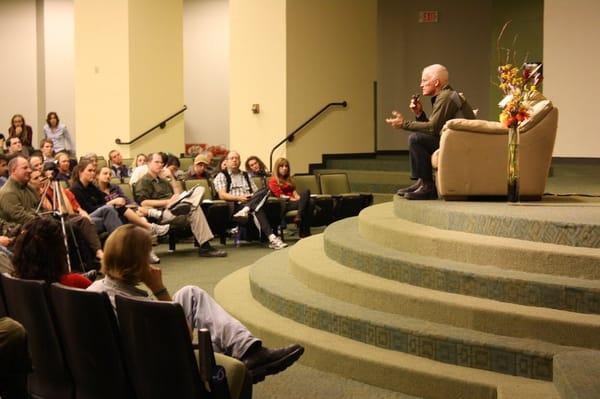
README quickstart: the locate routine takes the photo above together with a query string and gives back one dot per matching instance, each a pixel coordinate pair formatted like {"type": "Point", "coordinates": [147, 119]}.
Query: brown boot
{"type": "Point", "coordinates": [410, 189]}
{"type": "Point", "coordinates": [426, 192]}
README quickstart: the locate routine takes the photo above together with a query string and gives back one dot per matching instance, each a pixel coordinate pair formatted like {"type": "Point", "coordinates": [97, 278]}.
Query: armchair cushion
{"type": "Point", "coordinates": [475, 125]}
{"type": "Point", "coordinates": [539, 110]}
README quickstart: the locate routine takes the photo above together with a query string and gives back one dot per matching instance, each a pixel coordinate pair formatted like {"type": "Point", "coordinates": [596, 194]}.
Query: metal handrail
{"type": "Point", "coordinates": [162, 125]}
{"type": "Point", "coordinates": [290, 137]}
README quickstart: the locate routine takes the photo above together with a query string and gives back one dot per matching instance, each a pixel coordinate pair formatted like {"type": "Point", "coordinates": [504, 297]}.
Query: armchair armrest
{"type": "Point", "coordinates": [475, 126]}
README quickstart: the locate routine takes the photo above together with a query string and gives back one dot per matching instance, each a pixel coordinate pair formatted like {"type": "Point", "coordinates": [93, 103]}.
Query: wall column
{"type": "Point", "coordinates": [128, 74]}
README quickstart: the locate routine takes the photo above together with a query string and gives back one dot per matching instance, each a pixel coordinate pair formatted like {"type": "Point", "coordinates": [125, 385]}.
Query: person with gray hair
{"type": "Point", "coordinates": [425, 140]}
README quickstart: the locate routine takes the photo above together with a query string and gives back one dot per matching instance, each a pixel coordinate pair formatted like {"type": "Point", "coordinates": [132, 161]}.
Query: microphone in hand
{"type": "Point", "coordinates": [415, 105]}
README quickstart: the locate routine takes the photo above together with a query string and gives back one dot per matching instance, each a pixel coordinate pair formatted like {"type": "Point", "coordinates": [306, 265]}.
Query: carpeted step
{"type": "Point", "coordinates": [393, 370]}
{"type": "Point", "coordinates": [343, 244]}
{"type": "Point", "coordinates": [379, 224]}
{"type": "Point", "coordinates": [554, 220]}
{"type": "Point", "coordinates": [577, 374]}
{"type": "Point", "coordinates": [273, 286]}
{"type": "Point", "coordinates": [309, 265]}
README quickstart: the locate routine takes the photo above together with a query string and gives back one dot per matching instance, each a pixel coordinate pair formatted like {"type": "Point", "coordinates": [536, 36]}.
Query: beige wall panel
{"type": "Point", "coordinates": [156, 73]}
{"type": "Point", "coordinates": [257, 75]}
{"type": "Point", "coordinates": [206, 71]}
{"type": "Point", "coordinates": [331, 56]}
{"type": "Point", "coordinates": [101, 74]}
{"type": "Point", "coordinates": [571, 67]}
{"type": "Point", "coordinates": [59, 59]}
{"type": "Point", "coordinates": [18, 68]}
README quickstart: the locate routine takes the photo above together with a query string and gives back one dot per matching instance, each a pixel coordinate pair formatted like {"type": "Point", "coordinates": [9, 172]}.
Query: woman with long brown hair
{"type": "Point", "coordinates": [281, 186]}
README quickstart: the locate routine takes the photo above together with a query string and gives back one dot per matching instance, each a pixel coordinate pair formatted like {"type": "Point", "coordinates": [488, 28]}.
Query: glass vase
{"type": "Point", "coordinates": [513, 164]}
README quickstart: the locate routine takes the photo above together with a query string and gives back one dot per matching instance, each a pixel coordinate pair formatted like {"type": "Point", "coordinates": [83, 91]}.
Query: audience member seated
{"type": "Point", "coordinates": [154, 191]}
{"type": "Point", "coordinates": [133, 214]}
{"type": "Point", "coordinates": [2, 142]}
{"type": "Point", "coordinates": [40, 254]}
{"type": "Point", "coordinates": [117, 167]}
{"type": "Point", "coordinates": [47, 149]}
{"type": "Point", "coordinates": [235, 186]}
{"type": "Point", "coordinates": [199, 169]}
{"type": "Point", "coordinates": [174, 166]}
{"type": "Point", "coordinates": [15, 362]}
{"type": "Point", "coordinates": [91, 156]}
{"type": "Point", "coordinates": [209, 158]}
{"type": "Point", "coordinates": [106, 215]}
{"type": "Point", "coordinates": [58, 134]}
{"type": "Point", "coordinates": [18, 201]}
{"type": "Point", "coordinates": [63, 163]}
{"type": "Point", "coordinates": [15, 146]}
{"type": "Point", "coordinates": [222, 166]}
{"type": "Point", "coordinates": [140, 159]}
{"type": "Point", "coordinates": [281, 185]}
{"type": "Point", "coordinates": [18, 128]}
{"type": "Point", "coordinates": [139, 169]}
{"type": "Point", "coordinates": [90, 248]}
{"type": "Point", "coordinates": [36, 162]}
{"type": "Point", "coordinates": [125, 265]}
{"type": "Point", "coordinates": [256, 167]}
{"type": "Point", "coordinates": [3, 169]}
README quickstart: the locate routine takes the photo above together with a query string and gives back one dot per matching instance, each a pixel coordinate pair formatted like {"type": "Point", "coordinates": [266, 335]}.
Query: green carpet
{"type": "Point", "coordinates": [184, 267]}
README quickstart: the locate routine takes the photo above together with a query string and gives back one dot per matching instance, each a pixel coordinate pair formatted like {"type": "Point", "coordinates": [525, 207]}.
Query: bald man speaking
{"type": "Point", "coordinates": [446, 104]}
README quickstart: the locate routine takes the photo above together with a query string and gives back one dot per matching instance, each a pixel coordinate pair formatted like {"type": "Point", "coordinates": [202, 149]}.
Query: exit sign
{"type": "Point", "coordinates": [428, 16]}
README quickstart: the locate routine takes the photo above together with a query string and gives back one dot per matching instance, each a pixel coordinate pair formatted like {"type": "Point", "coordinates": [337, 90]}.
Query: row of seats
{"type": "Point", "coordinates": [330, 192]}
{"type": "Point", "coordinates": [80, 352]}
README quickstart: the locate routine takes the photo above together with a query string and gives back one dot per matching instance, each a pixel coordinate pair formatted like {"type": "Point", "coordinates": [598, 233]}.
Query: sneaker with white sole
{"type": "Point", "coordinates": [276, 243]}
{"type": "Point", "coordinates": [154, 213]}
{"type": "Point", "coordinates": [159, 229]}
{"type": "Point", "coordinates": [154, 260]}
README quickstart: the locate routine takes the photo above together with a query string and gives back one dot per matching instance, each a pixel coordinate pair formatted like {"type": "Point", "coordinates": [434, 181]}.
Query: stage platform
{"type": "Point", "coordinates": [439, 299]}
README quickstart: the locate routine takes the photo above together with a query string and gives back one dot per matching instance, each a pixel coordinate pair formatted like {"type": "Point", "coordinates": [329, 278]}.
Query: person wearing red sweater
{"type": "Point", "coordinates": [40, 254]}
{"type": "Point", "coordinates": [281, 186]}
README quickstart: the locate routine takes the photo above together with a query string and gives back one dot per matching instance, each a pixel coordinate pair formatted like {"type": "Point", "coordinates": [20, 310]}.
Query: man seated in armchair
{"type": "Point", "coordinates": [425, 140]}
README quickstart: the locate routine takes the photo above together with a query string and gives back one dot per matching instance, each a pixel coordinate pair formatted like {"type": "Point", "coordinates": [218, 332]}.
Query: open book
{"type": "Point", "coordinates": [183, 196]}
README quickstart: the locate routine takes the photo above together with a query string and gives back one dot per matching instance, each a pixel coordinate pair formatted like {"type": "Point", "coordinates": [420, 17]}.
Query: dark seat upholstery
{"type": "Point", "coordinates": [161, 359]}
{"type": "Point", "coordinates": [347, 203]}
{"type": "Point", "coordinates": [27, 303]}
{"type": "Point", "coordinates": [88, 328]}
{"type": "Point", "coordinates": [323, 202]}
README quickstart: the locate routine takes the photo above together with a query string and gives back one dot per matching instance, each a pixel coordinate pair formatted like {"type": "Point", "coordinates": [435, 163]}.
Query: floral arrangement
{"type": "Point", "coordinates": [519, 85]}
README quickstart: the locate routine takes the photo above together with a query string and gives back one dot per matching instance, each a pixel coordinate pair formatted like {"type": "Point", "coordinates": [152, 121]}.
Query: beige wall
{"type": "Point", "coordinates": [331, 57]}
{"type": "Point", "coordinates": [128, 74]}
{"type": "Point", "coordinates": [257, 75]}
{"type": "Point", "coordinates": [571, 67]}
{"type": "Point", "coordinates": [156, 73]}
{"type": "Point", "coordinates": [206, 71]}
{"type": "Point", "coordinates": [101, 74]}
{"type": "Point", "coordinates": [18, 66]}
{"type": "Point", "coordinates": [59, 60]}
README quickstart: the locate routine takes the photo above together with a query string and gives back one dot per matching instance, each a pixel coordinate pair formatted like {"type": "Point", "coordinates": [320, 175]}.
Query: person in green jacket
{"type": "Point", "coordinates": [425, 140]}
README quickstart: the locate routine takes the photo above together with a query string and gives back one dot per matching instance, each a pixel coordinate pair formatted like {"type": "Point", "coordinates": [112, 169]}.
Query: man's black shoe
{"type": "Point", "coordinates": [211, 253]}
{"type": "Point", "coordinates": [183, 208]}
{"type": "Point", "coordinates": [426, 192]}
{"type": "Point", "coordinates": [264, 361]}
{"type": "Point", "coordinates": [410, 189]}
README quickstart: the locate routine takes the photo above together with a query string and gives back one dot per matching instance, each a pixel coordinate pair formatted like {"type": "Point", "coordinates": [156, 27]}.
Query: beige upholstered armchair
{"type": "Point", "coordinates": [472, 157]}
